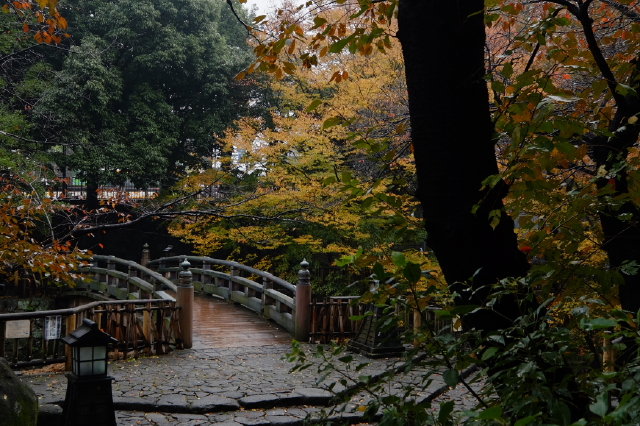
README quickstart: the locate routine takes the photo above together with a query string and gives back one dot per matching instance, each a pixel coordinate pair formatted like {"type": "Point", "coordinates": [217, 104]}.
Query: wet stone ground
{"type": "Point", "coordinates": [234, 386]}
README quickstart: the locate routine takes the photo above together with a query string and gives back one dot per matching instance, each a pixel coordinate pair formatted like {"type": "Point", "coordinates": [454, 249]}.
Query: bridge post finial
{"type": "Point", "coordinates": [146, 255]}
{"type": "Point", "coordinates": [303, 303]}
{"type": "Point", "coordinates": [184, 299]}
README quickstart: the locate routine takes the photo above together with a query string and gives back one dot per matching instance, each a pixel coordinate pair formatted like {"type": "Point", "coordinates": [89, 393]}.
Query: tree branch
{"type": "Point", "coordinates": [623, 9]}
{"type": "Point", "coordinates": [190, 213]}
{"type": "Point", "coordinates": [20, 138]}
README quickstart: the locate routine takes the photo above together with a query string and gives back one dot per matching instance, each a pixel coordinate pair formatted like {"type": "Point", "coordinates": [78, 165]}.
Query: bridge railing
{"type": "Point", "coordinates": [276, 299]}
{"type": "Point", "coordinates": [123, 279]}
{"type": "Point", "coordinates": [140, 326]}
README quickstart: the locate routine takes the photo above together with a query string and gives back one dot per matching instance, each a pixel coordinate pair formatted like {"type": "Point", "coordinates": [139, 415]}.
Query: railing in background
{"type": "Point", "coordinates": [140, 326]}
{"type": "Point", "coordinates": [331, 319]}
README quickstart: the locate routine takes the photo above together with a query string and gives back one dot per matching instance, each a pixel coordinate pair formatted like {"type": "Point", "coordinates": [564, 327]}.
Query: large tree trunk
{"type": "Point", "coordinates": [452, 135]}
{"type": "Point", "coordinates": [454, 150]}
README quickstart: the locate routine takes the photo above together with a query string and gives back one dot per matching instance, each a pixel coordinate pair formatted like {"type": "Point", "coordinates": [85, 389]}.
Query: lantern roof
{"type": "Point", "coordinates": [88, 334]}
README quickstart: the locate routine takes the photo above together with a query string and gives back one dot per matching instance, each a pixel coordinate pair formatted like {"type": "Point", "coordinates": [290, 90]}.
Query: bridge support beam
{"type": "Point", "coordinates": [184, 300]}
{"type": "Point", "coordinates": [303, 303]}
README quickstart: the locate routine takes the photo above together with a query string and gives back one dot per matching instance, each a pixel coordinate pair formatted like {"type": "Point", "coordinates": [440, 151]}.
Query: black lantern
{"type": "Point", "coordinates": [89, 400]}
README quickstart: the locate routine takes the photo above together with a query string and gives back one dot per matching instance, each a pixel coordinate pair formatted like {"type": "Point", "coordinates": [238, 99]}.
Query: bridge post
{"type": "Point", "coordinates": [132, 273]}
{"type": "Point", "coordinates": [184, 300]}
{"type": "Point", "coordinates": [146, 255]}
{"type": "Point", "coordinates": [266, 300]}
{"type": "Point", "coordinates": [111, 266]}
{"type": "Point", "coordinates": [303, 303]}
{"type": "Point", "coordinates": [70, 325]}
{"type": "Point", "coordinates": [205, 279]}
{"type": "Point", "coordinates": [233, 272]}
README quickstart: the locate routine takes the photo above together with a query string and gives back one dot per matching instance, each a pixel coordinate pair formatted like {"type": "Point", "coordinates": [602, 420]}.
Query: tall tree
{"type": "Point", "coordinates": [294, 188]}
{"type": "Point", "coordinates": [451, 162]}
{"type": "Point", "coordinates": [145, 91]}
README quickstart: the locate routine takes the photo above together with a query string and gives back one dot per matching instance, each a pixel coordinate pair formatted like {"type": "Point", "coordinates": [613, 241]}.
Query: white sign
{"type": "Point", "coordinates": [17, 329]}
{"type": "Point", "coordinates": [52, 327]}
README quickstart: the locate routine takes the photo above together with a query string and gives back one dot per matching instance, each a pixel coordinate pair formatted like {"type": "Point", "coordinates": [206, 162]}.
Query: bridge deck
{"type": "Point", "coordinates": [219, 324]}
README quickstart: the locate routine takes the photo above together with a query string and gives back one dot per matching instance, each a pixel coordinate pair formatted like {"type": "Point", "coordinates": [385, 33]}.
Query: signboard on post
{"type": "Point", "coordinates": [18, 329]}
{"type": "Point", "coordinates": [52, 327]}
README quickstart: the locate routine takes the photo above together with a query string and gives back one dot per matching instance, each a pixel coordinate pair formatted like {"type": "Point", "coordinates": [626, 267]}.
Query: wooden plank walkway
{"type": "Point", "coordinates": [220, 324]}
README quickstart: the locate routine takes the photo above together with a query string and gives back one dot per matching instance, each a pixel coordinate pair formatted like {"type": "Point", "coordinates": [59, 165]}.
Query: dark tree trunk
{"type": "Point", "coordinates": [91, 202]}
{"type": "Point", "coordinates": [621, 235]}
{"type": "Point", "coordinates": [454, 150]}
{"type": "Point", "coordinates": [452, 134]}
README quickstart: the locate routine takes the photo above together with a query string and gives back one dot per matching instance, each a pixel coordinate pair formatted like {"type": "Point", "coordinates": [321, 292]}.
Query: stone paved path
{"type": "Point", "coordinates": [230, 382]}
{"type": "Point", "coordinates": [227, 386]}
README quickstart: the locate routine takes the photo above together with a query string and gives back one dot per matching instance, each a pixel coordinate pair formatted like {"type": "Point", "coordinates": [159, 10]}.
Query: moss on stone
{"type": "Point", "coordinates": [18, 402]}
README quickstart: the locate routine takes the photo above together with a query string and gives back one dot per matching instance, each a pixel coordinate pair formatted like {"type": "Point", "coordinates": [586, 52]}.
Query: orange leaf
{"type": "Point", "coordinates": [62, 23]}
{"type": "Point", "coordinates": [25, 27]}
{"type": "Point", "coordinates": [292, 47]}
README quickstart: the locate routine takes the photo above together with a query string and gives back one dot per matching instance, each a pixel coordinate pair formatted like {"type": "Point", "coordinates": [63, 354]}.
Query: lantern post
{"type": "Point", "coordinates": [89, 401]}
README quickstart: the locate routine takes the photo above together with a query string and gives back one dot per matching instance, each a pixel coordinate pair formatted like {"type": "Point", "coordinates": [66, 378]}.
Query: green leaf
{"type": "Point", "coordinates": [451, 377]}
{"type": "Point", "coordinates": [318, 22]}
{"type": "Point", "coordinates": [330, 122]}
{"type": "Point", "coordinates": [329, 180]}
{"type": "Point", "coordinates": [446, 408]}
{"type": "Point", "coordinates": [497, 86]}
{"type": "Point", "coordinates": [626, 90]}
{"type": "Point", "coordinates": [339, 45]}
{"type": "Point", "coordinates": [507, 70]}
{"type": "Point", "coordinates": [596, 323]}
{"type": "Point", "coordinates": [379, 272]}
{"type": "Point", "coordinates": [463, 309]}
{"type": "Point", "coordinates": [398, 259]}
{"type": "Point", "coordinates": [489, 353]}
{"type": "Point", "coordinates": [525, 421]}
{"type": "Point", "coordinates": [601, 406]}
{"type": "Point", "coordinates": [566, 148]}
{"type": "Point", "coordinates": [412, 272]}
{"type": "Point", "coordinates": [313, 105]}
{"type": "Point", "coordinates": [491, 413]}
{"type": "Point", "coordinates": [364, 379]}
{"type": "Point", "coordinates": [598, 86]}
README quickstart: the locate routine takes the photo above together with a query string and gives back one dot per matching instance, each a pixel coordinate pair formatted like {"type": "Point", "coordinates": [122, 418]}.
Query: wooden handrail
{"type": "Point", "coordinates": [74, 311]}
{"type": "Point", "coordinates": [279, 281]}
{"type": "Point", "coordinates": [136, 266]}
{"type": "Point", "coordinates": [275, 301]}
{"type": "Point", "coordinates": [147, 333]}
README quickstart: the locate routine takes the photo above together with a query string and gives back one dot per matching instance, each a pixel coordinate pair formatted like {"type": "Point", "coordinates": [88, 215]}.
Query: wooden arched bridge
{"type": "Point", "coordinates": [149, 307]}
